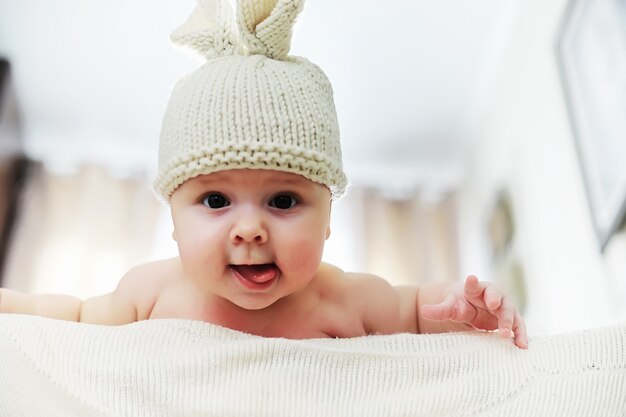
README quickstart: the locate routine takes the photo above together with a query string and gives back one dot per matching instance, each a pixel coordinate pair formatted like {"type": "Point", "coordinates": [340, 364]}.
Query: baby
{"type": "Point", "coordinates": [250, 162]}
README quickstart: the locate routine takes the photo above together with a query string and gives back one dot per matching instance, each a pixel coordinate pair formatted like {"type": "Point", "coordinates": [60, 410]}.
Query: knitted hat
{"type": "Point", "coordinates": [250, 105]}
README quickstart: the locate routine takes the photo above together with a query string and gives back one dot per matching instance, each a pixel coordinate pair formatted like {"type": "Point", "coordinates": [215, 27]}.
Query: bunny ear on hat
{"type": "Point", "coordinates": [266, 25]}
{"type": "Point", "coordinates": [265, 28]}
{"type": "Point", "coordinates": [250, 105]}
{"type": "Point", "coordinates": [210, 30]}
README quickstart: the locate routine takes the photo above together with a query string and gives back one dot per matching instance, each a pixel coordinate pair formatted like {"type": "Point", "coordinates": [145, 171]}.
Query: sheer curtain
{"type": "Point", "coordinates": [79, 233]}
{"type": "Point", "coordinates": [412, 240]}
{"type": "Point", "coordinates": [407, 241]}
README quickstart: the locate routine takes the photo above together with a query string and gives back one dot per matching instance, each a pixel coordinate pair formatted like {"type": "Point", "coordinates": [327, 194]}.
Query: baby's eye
{"type": "Point", "coordinates": [283, 201]}
{"type": "Point", "coordinates": [215, 201]}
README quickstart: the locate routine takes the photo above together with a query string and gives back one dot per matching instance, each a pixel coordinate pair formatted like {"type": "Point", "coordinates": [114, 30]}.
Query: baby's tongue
{"type": "Point", "coordinates": [257, 273]}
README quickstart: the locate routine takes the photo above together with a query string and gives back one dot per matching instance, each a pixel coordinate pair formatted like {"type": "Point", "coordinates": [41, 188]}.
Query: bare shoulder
{"type": "Point", "coordinates": [133, 298]}
{"type": "Point", "coordinates": [155, 270]}
{"type": "Point", "coordinates": [150, 275]}
{"type": "Point", "coordinates": [356, 288]}
{"type": "Point", "coordinates": [144, 283]}
{"type": "Point", "coordinates": [386, 309]}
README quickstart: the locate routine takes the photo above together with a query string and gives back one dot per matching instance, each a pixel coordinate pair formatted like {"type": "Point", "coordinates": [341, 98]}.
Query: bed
{"type": "Point", "coordinates": [188, 368]}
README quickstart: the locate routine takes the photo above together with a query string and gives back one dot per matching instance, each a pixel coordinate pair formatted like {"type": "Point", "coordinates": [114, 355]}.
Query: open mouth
{"type": "Point", "coordinates": [256, 277]}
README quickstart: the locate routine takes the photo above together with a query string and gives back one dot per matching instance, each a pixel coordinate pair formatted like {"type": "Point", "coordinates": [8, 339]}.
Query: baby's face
{"type": "Point", "coordinates": [251, 236]}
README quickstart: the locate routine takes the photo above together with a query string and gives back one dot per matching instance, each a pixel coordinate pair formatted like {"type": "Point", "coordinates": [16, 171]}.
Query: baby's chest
{"type": "Point", "coordinates": [323, 320]}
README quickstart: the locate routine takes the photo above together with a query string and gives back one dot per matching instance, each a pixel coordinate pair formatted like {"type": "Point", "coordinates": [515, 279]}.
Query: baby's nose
{"type": "Point", "coordinates": [249, 229]}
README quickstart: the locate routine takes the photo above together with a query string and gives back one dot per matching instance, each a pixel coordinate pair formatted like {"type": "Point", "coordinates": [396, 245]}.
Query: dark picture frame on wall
{"type": "Point", "coordinates": [13, 165]}
{"type": "Point", "coordinates": [591, 53]}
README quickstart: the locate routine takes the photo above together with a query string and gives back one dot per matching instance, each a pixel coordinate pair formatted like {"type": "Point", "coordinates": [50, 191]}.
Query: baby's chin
{"type": "Point", "coordinates": [254, 303]}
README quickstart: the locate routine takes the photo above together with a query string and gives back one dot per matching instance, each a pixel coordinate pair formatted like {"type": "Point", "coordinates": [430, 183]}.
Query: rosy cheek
{"type": "Point", "coordinates": [189, 256]}
{"type": "Point", "coordinates": [305, 256]}
{"type": "Point", "coordinates": [196, 244]}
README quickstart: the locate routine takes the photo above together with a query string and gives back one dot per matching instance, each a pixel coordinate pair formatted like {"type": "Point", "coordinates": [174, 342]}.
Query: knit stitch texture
{"type": "Point", "coordinates": [251, 105]}
{"type": "Point", "coordinates": [188, 368]}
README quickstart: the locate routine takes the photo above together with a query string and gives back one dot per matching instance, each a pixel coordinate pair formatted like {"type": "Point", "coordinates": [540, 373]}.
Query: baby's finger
{"type": "Point", "coordinates": [464, 312]}
{"type": "Point", "coordinates": [473, 289]}
{"type": "Point", "coordinates": [440, 312]}
{"type": "Point", "coordinates": [493, 298]}
{"type": "Point", "coordinates": [506, 314]}
{"type": "Point", "coordinates": [519, 330]}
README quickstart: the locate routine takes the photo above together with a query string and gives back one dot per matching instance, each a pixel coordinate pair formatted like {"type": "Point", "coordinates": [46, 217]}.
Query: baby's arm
{"type": "Point", "coordinates": [63, 307]}
{"type": "Point", "coordinates": [470, 305]}
{"type": "Point", "coordinates": [116, 307]}
{"type": "Point", "coordinates": [437, 308]}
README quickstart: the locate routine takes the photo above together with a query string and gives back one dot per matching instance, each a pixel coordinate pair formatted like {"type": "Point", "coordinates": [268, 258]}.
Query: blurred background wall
{"type": "Point", "coordinates": [455, 126]}
{"type": "Point", "coordinates": [527, 149]}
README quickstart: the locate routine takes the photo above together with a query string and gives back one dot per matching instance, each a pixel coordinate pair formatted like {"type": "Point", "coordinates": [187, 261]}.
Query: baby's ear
{"type": "Point", "coordinates": [266, 25]}
{"type": "Point", "coordinates": [210, 30]}
{"type": "Point", "coordinates": [174, 235]}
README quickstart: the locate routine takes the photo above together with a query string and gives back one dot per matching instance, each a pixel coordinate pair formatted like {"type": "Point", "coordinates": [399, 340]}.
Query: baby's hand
{"type": "Point", "coordinates": [482, 306]}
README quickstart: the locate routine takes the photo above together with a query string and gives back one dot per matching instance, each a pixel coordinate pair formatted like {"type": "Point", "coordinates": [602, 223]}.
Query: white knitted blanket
{"type": "Point", "coordinates": [185, 368]}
